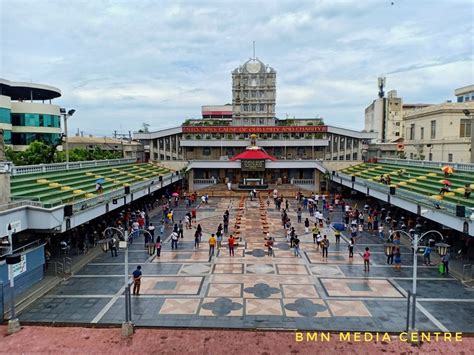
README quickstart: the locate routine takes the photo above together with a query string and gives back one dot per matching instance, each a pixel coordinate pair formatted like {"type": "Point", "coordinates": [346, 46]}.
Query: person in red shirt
{"type": "Point", "coordinates": [366, 257]}
{"type": "Point", "coordinates": [231, 242]}
{"type": "Point", "coordinates": [193, 215]}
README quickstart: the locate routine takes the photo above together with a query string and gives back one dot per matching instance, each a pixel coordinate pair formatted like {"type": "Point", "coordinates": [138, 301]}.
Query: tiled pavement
{"type": "Point", "coordinates": [252, 290]}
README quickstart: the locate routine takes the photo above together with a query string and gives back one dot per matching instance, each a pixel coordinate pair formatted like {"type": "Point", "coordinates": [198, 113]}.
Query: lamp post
{"type": "Point", "coordinates": [415, 237]}
{"type": "Point", "coordinates": [127, 325]}
{"type": "Point", "coordinates": [66, 115]}
{"type": "Point", "coordinates": [11, 259]}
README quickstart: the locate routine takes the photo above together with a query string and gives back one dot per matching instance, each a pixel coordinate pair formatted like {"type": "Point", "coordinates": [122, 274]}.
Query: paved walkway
{"type": "Point", "coordinates": [185, 288]}
{"type": "Point", "coordinates": [75, 340]}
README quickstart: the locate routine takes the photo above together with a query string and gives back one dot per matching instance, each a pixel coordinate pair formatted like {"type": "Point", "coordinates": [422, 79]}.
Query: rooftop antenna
{"type": "Point", "coordinates": [381, 85]}
{"type": "Point", "coordinates": [253, 50]}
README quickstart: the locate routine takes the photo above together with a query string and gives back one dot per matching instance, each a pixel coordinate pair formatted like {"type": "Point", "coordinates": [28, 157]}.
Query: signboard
{"type": "Point", "coordinates": [253, 165]}
{"type": "Point", "coordinates": [19, 268]}
{"type": "Point", "coordinates": [255, 129]}
{"type": "Point", "coordinates": [16, 226]}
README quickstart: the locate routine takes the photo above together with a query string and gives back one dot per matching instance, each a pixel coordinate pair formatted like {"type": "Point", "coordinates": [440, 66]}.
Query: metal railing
{"type": "Point", "coordinates": [205, 181]}
{"type": "Point", "coordinates": [21, 249]}
{"type": "Point", "coordinates": [44, 168]}
{"type": "Point", "coordinates": [427, 164]}
{"type": "Point", "coordinates": [410, 196]}
{"type": "Point", "coordinates": [302, 181]}
{"type": "Point", "coordinates": [19, 203]}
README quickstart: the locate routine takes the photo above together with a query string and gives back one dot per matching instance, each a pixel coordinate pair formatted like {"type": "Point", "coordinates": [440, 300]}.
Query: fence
{"type": "Point", "coordinates": [427, 164]}
{"type": "Point", "coordinates": [302, 181]}
{"type": "Point", "coordinates": [20, 203]}
{"type": "Point", "coordinates": [205, 181]}
{"type": "Point", "coordinates": [414, 197]}
{"type": "Point", "coordinates": [44, 168]}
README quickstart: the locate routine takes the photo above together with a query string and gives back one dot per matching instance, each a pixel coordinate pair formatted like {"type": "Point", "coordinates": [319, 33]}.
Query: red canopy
{"type": "Point", "coordinates": [253, 154]}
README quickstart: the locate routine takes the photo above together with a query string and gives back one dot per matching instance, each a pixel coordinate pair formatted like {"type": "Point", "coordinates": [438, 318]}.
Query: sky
{"type": "Point", "coordinates": [124, 63]}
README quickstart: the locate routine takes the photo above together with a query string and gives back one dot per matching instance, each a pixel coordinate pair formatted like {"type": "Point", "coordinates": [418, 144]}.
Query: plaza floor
{"type": "Point", "coordinates": [187, 288]}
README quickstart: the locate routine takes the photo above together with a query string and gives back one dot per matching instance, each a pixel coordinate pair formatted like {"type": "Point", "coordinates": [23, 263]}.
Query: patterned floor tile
{"type": "Point", "coordinates": [222, 306]}
{"type": "Point", "coordinates": [229, 269]}
{"type": "Point", "coordinates": [224, 290]}
{"type": "Point", "coordinates": [195, 269]}
{"type": "Point", "coordinates": [262, 290]}
{"type": "Point", "coordinates": [259, 269]}
{"type": "Point", "coordinates": [270, 307]}
{"type": "Point", "coordinates": [333, 258]}
{"type": "Point", "coordinates": [292, 269]}
{"type": "Point", "coordinates": [326, 270]}
{"type": "Point", "coordinates": [305, 307]}
{"type": "Point", "coordinates": [180, 306]}
{"type": "Point", "coordinates": [299, 291]}
{"type": "Point", "coordinates": [359, 288]}
{"type": "Point", "coordinates": [348, 308]}
{"type": "Point", "coordinates": [171, 285]}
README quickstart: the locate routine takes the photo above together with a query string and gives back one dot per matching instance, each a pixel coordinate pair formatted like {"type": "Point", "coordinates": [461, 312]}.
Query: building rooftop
{"type": "Point", "coordinates": [28, 91]}
{"type": "Point", "coordinates": [448, 106]}
{"type": "Point", "coordinates": [464, 90]}
{"type": "Point", "coordinates": [99, 140]}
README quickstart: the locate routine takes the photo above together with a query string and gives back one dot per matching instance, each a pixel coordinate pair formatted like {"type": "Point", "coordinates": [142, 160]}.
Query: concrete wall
{"type": "Point", "coordinates": [174, 164]}
{"type": "Point", "coordinates": [339, 165]}
{"type": "Point", "coordinates": [4, 188]}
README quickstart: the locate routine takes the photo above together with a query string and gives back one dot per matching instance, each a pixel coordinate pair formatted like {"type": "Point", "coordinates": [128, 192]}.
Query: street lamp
{"type": "Point", "coordinates": [12, 259]}
{"type": "Point", "coordinates": [442, 248]}
{"type": "Point", "coordinates": [66, 115]}
{"type": "Point", "coordinates": [415, 237]}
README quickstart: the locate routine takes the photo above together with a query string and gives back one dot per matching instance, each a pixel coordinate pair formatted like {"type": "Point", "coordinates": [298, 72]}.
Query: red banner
{"type": "Point", "coordinates": [255, 129]}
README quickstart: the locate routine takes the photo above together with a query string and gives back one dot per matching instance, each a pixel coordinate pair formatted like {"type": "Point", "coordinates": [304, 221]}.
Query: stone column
{"type": "Point", "coordinates": [317, 181]}
{"type": "Point", "coordinates": [4, 188]}
{"type": "Point", "coordinates": [191, 180]}
{"type": "Point", "coordinates": [151, 150]}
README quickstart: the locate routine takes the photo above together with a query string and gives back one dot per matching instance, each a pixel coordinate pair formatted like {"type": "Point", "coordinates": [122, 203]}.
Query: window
{"type": "Point", "coordinates": [262, 107]}
{"type": "Point", "coordinates": [7, 137]}
{"type": "Point", "coordinates": [261, 121]}
{"type": "Point", "coordinates": [254, 94]}
{"type": "Point", "coordinates": [253, 108]}
{"type": "Point", "coordinates": [412, 131]}
{"type": "Point", "coordinates": [422, 132]}
{"type": "Point", "coordinates": [246, 94]}
{"type": "Point", "coordinates": [354, 156]}
{"type": "Point", "coordinates": [450, 157]}
{"type": "Point", "coordinates": [411, 155]}
{"type": "Point", "coordinates": [433, 129]}
{"type": "Point", "coordinates": [397, 124]}
{"type": "Point", "coordinates": [246, 108]}
{"type": "Point", "coordinates": [397, 134]}
{"type": "Point", "coordinates": [465, 128]}
{"type": "Point", "coordinates": [206, 151]}
{"type": "Point", "coordinates": [430, 156]}
{"type": "Point", "coordinates": [460, 98]}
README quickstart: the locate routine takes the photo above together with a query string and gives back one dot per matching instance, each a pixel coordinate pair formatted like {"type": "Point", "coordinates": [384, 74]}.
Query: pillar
{"type": "Point", "coordinates": [191, 180]}
{"type": "Point", "coordinates": [4, 188]}
{"type": "Point", "coordinates": [317, 181]}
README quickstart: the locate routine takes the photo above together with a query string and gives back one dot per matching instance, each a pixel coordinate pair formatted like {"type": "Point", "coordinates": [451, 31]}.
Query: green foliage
{"type": "Point", "coordinates": [41, 153]}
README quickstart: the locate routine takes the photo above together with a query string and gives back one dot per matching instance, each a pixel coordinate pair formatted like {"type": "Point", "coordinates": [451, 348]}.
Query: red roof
{"type": "Point", "coordinates": [252, 154]}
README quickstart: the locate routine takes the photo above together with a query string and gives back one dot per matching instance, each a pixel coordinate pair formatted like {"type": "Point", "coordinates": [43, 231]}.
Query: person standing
{"type": "Point", "coordinates": [180, 229]}
{"type": "Point", "coordinates": [151, 230]}
{"type": "Point", "coordinates": [219, 239]}
{"type": "Point", "coordinates": [137, 278]}
{"type": "Point", "coordinates": [306, 226]}
{"type": "Point", "coordinates": [325, 246]}
{"type": "Point", "coordinates": [445, 260]}
{"type": "Point", "coordinates": [197, 239]}
{"type": "Point", "coordinates": [158, 246]}
{"type": "Point", "coordinates": [427, 255]}
{"type": "Point", "coordinates": [212, 245]}
{"type": "Point", "coordinates": [231, 242]}
{"type": "Point", "coordinates": [398, 259]}
{"type": "Point", "coordinates": [390, 256]}
{"type": "Point", "coordinates": [296, 245]}
{"type": "Point", "coordinates": [366, 258]}
{"type": "Point", "coordinates": [315, 231]}
{"type": "Point", "coordinates": [381, 236]}
{"type": "Point", "coordinates": [113, 247]}
{"type": "Point", "coordinates": [337, 234]}
{"type": "Point", "coordinates": [269, 244]}
{"type": "Point", "coordinates": [174, 240]}
{"type": "Point", "coordinates": [162, 229]}
{"type": "Point", "coordinates": [351, 248]}
{"type": "Point", "coordinates": [199, 230]}
{"type": "Point", "coordinates": [298, 214]}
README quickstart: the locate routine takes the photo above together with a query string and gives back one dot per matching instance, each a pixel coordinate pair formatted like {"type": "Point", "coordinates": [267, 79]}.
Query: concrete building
{"type": "Point", "coordinates": [253, 94]}
{"type": "Point", "coordinates": [465, 93]}
{"type": "Point", "coordinates": [385, 116]}
{"type": "Point", "coordinates": [128, 149]}
{"type": "Point", "coordinates": [27, 114]}
{"type": "Point", "coordinates": [439, 133]}
{"type": "Point", "coordinates": [299, 145]}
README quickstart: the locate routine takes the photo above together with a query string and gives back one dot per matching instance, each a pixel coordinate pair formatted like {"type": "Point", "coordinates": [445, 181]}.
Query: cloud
{"type": "Point", "coordinates": [121, 63]}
